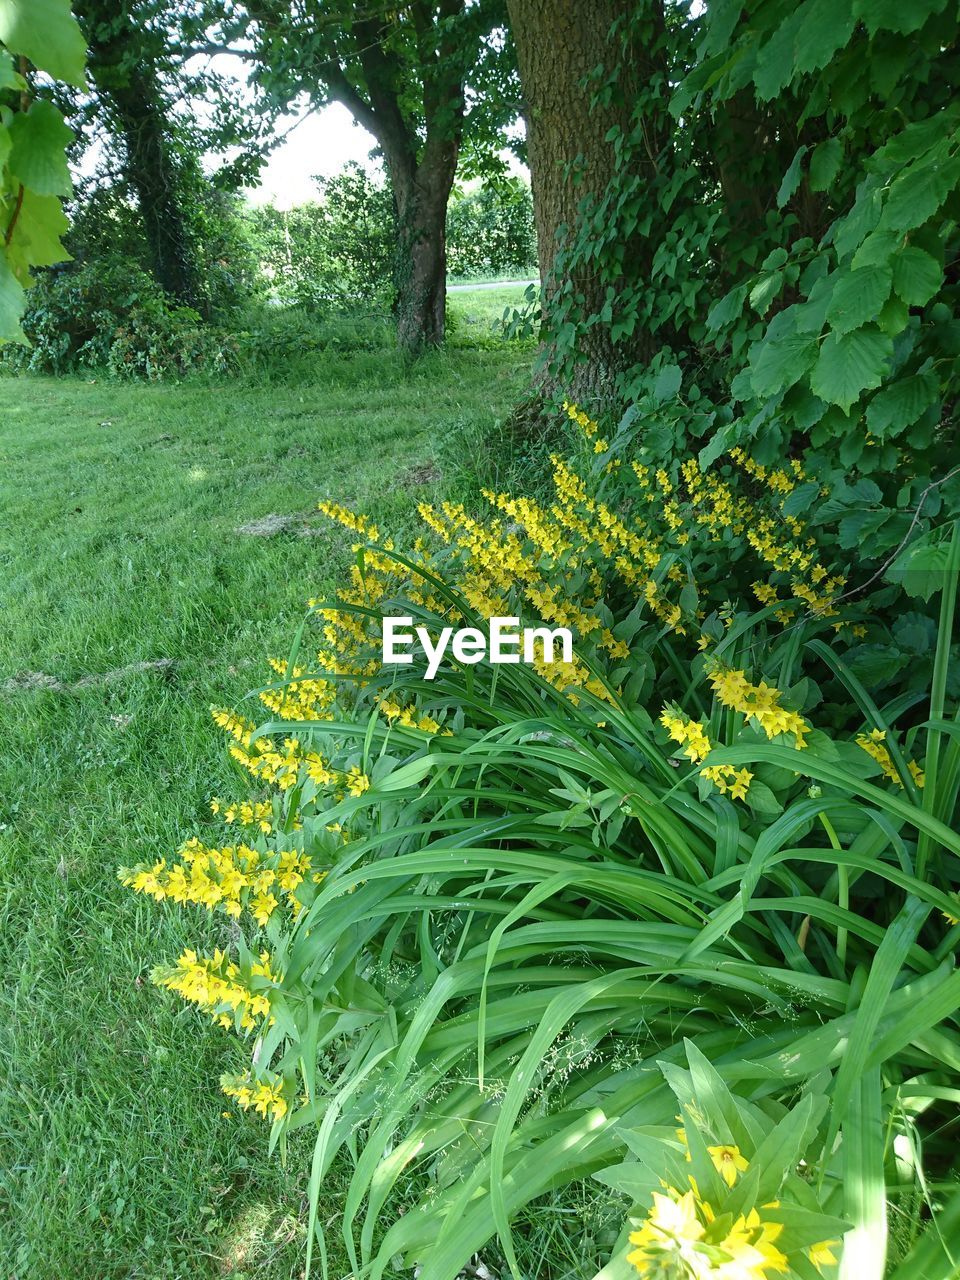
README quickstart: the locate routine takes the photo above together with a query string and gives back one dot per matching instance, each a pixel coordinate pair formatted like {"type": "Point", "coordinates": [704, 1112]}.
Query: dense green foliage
{"type": "Point", "coordinates": [496, 903]}
{"type": "Point", "coordinates": [335, 254]}
{"type": "Point", "coordinates": [793, 207]}
{"type": "Point", "coordinates": [490, 231]}
{"type": "Point", "coordinates": [487, 936]}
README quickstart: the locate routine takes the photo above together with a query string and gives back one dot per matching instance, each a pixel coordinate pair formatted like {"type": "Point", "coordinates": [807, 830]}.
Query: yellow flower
{"type": "Point", "coordinates": [750, 1250]}
{"type": "Point", "coordinates": [669, 1235]}
{"type": "Point", "coordinates": [728, 1162]}
{"type": "Point", "coordinates": [761, 702]}
{"type": "Point", "coordinates": [822, 1255]}
{"type": "Point", "coordinates": [873, 744]}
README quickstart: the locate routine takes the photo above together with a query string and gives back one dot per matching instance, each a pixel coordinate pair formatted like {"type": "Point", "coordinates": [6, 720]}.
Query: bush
{"type": "Point", "coordinates": [114, 318]}
{"type": "Point", "coordinates": [490, 231]}
{"type": "Point", "coordinates": [502, 924]}
{"type": "Point", "coordinates": [334, 255]}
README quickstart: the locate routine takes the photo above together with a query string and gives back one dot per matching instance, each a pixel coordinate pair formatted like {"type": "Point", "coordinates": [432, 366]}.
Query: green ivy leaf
{"type": "Point", "coordinates": [37, 157]}
{"type": "Point", "coordinates": [916, 276]}
{"type": "Point", "coordinates": [857, 298]}
{"type": "Point", "coordinates": [825, 164]}
{"type": "Point", "coordinates": [827, 27]}
{"type": "Point", "coordinates": [851, 363]}
{"type": "Point", "coordinates": [46, 32]}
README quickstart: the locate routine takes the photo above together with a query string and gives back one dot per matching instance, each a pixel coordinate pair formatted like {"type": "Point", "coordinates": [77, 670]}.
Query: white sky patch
{"type": "Point", "coordinates": [319, 143]}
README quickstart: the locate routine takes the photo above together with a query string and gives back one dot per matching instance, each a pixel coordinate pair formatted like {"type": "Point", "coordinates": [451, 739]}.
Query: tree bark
{"type": "Point", "coordinates": [560, 43]}
{"type": "Point", "coordinates": [421, 276]}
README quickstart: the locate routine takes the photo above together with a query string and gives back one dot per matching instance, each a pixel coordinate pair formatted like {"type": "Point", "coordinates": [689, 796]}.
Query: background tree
{"type": "Point", "coordinates": [403, 73]}
{"type": "Point", "coordinates": [145, 109]}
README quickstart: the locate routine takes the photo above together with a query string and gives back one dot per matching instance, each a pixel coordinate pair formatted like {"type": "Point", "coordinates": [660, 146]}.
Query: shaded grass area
{"type": "Point", "coordinates": [119, 546]}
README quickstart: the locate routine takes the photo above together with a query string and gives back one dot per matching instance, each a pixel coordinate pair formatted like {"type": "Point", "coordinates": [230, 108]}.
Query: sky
{"type": "Point", "coordinates": [317, 143]}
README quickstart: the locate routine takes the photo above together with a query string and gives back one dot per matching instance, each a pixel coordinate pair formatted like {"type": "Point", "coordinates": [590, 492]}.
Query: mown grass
{"type": "Point", "coordinates": [121, 506]}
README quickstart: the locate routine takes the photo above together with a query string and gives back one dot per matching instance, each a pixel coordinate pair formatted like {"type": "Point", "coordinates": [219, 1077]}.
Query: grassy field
{"type": "Point", "coordinates": [157, 541]}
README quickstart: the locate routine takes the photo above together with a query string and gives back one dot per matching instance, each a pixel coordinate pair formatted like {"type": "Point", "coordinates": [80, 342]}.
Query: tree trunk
{"type": "Point", "coordinates": [560, 43]}
{"type": "Point", "coordinates": [421, 273]}
{"type": "Point", "coordinates": [152, 175]}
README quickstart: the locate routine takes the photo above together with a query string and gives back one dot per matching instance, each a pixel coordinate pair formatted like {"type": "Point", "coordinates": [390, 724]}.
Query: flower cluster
{"type": "Point", "coordinates": [873, 743]}
{"type": "Point", "coordinates": [218, 986]}
{"type": "Point", "coordinates": [245, 814]}
{"type": "Point", "coordinates": [758, 702]}
{"type": "Point", "coordinates": [681, 1236]}
{"type": "Point", "coordinates": [264, 1096]}
{"type": "Point", "coordinates": [684, 1235]}
{"type": "Point", "coordinates": [233, 879]}
{"type": "Point", "coordinates": [692, 737]}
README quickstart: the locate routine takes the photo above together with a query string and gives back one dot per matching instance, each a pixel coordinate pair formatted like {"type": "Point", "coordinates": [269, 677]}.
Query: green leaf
{"type": "Point", "coordinates": [36, 238]}
{"type": "Point", "coordinates": [896, 15]}
{"type": "Point", "coordinates": [11, 303]}
{"type": "Point", "coordinates": [921, 568]}
{"type": "Point", "coordinates": [765, 290]}
{"type": "Point", "coordinates": [894, 316]}
{"type": "Point", "coordinates": [864, 1186]}
{"type": "Point", "coordinates": [878, 248]}
{"type": "Point", "coordinates": [858, 297]}
{"type": "Point", "coordinates": [37, 157]}
{"type": "Point", "coordinates": [46, 32]}
{"type": "Point", "coordinates": [727, 309]}
{"type": "Point", "coordinates": [916, 633]}
{"type": "Point", "coordinates": [916, 276]}
{"type": "Point", "coordinates": [901, 403]}
{"type": "Point", "coordinates": [774, 69]}
{"type": "Point", "coordinates": [776, 365]}
{"type": "Point", "coordinates": [10, 77]}
{"type": "Point", "coordinates": [825, 164]}
{"type": "Point", "coordinates": [917, 193]}
{"type": "Point", "coordinates": [667, 383]}
{"type": "Point", "coordinates": [827, 27]}
{"type": "Point", "coordinates": [851, 363]}
{"type": "Point", "coordinates": [791, 179]}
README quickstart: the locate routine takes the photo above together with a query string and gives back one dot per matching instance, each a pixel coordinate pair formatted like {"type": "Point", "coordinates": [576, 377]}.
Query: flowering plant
{"type": "Point", "coordinates": [483, 910]}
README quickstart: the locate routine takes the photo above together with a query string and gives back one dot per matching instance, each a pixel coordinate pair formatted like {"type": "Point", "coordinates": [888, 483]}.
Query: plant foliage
{"type": "Point", "coordinates": [33, 139]}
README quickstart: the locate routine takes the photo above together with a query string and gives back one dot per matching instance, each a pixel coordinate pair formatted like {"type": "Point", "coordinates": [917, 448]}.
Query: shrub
{"type": "Point", "coordinates": [114, 318]}
{"type": "Point", "coordinates": [332, 255]}
{"type": "Point", "coordinates": [490, 230]}
{"type": "Point", "coordinates": [497, 926]}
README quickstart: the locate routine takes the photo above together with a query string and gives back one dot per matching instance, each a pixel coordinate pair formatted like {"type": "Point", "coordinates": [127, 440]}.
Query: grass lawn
{"type": "Point", "coordinates": [131, 600]}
